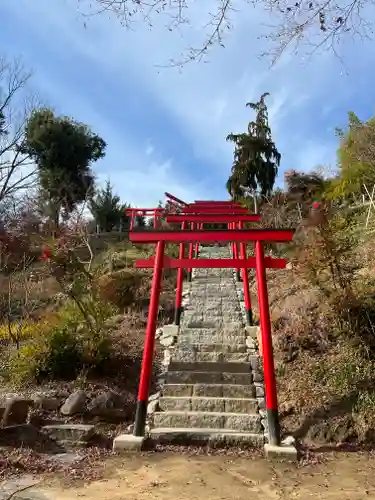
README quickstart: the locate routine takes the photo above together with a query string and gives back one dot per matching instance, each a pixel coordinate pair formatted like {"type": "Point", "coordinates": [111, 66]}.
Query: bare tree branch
{"type": "Point", "coordinates": [17, 171]}
{"type": "Point", "coordinates": [131, 11]}
{"type": "Point", "coordinates": [313, 24]}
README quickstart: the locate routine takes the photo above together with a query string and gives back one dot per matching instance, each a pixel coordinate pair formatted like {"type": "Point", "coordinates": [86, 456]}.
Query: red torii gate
{"type": "Point", "coordinates": [214, 211]}
{"type": "Point", "coordinates": [219, 208]}
{"type": "Point", "coordinates": [133, 212]}
{"type": "Point", "coordinates": [191, 209]}
{"type": "Point", "coordinates": [175, 200]}
{"type": "Point", "coordinates": [260, 262]}
{"type": "Point", "coordinates": [218, 219]}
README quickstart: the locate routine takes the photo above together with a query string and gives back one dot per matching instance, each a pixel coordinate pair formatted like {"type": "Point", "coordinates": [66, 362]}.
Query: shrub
{"type": "Point", "coordinates": [56, 356]}
{"type": "Point", "coordinates": [23, 365]}
{"type": "Point", "coordinates": [9, 304]}
{"type": "Point", "coordinates": [96, 351]}
{"type": "Point", "coordinates": [23, 330]}
{"type": "Point", "coordinates": [62, 346]}
{"type": "Point", "coordinates": [62, 355]}
{"type": "Point", "coordinates": [124, 287]}
{"type": "Point", "coordinates": [326, 258]}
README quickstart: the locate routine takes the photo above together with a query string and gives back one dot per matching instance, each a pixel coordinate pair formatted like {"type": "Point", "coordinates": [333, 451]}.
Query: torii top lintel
{"type": "Point", "coordinates": [213, 218]}
{"type": "Point", "coordinates": [157, 209]}
{"type": "Point", "coordinates": [211, 236]}
{"type": "Point", "coordinates": [204, 202]}
{"type": "Point", "coordinates": [215, 210]}
{"type": "Point", "coordinates": [175, 199]}
{"type": "Point", "coordinates": [214, 205]}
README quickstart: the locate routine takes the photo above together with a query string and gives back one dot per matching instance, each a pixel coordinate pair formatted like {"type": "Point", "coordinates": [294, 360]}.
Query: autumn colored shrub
{"type": "Point", "coordinates": [62, 349]}
{"type": "Point", "coordinates": [325, 255]}
{"type": "Point", "coordinates": [124, 287]}
{"type": "Point", "coordinates": [23, 330]}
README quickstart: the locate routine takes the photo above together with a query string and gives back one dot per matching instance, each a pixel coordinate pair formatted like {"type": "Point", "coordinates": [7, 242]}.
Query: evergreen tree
{"type": "Point", "coordinates": [161, 219]}
{"type": "Point", "coordinates": [140, 221]}
{"type": "Point", "coordinates": [106, 208]}
{"type": "Point", "coordinates": [256, 158]}
{"type": "Point", "coordinates": [63, 151]}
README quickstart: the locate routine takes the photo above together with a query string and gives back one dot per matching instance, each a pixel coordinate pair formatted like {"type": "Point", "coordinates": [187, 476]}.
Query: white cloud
{"type": "Point", "coordinates": [150, 182]}
{"type": "Point", "coordinates": [314, 155]}
{"type": "Point", "coordinates": [140, 176]}
{"type": "Point", "coordinates": [149, 150]}
{"type": "Point", "coordinates": [207, 101]}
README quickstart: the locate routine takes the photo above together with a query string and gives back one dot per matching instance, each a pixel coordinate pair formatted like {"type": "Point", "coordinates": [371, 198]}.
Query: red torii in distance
{"type": "Point", "coordinates": [212, 219]}
{"type": "Point", "coordinates": [213, 202]}
{"type": "Point", "coordinates": [175, 200]}
{"type": "Point", "coordinates": [212, 207]}
{"type": "Point", "coordinates": [160, 238]}
{"type": "Point", "coordinates": [191, 209]}
{"type": "Point", "coordinates": [217, 207]}
{"type": "Point", "coordinates": [152, 212]}
{"type": "Point", "coordinates": [133, 212]}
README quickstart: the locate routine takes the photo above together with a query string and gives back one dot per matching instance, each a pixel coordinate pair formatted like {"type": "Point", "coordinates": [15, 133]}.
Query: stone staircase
{"type": "Point", "coordinates": [212, 387]}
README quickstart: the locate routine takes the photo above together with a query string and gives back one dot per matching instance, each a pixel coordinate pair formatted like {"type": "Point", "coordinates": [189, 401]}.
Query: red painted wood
{"type": "Point", "coordinates": [213, 202]}
{"type": "Point", "coordinates": [148, 351]}
{"type": "Point", "coordinates": [214, 218]}
{"type": "Point", "coordinates": [173, 198]}
{"type": "Point", "coordinates": [211, 236]}
{"type": "Point", "coordinates": [248, 263]}
{"type": "Point", "coordinates": [214, 210]}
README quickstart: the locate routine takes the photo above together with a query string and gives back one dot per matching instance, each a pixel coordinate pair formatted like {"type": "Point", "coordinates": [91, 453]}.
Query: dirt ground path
{"type": "Point", "coordinates": [170, 477]}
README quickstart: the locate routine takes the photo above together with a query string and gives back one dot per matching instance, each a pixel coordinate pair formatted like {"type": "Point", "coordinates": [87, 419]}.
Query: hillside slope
{"type": "Point", "coordinates": [326, 378]}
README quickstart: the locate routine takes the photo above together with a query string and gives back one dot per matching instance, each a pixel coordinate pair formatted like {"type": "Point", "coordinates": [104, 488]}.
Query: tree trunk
{"type": "Point", "coordinates": [55, 219]}
{"type": "Point", "coordinates": [255, 204]}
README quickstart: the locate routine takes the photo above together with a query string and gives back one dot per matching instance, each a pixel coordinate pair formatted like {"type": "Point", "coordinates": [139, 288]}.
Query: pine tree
{"type": "Point", "coordinates": [63, 151]}
{"type": "Point", "coordinates": [256, 158]}
{"type": "Point", "coordinates": [140, 221]}
{"type": "Point", "coordinates": [107, 209]}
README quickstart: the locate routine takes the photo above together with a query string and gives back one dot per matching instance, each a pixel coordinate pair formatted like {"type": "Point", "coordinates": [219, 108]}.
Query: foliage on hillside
{"type": "Point", "coordinates": [356, 159]}
{"type": "Point", "coordinates": [67, 311]}
{"type": "Point", "coordinates": [60, 296]}
{"type": "Point", "coordinates": [323, 308]}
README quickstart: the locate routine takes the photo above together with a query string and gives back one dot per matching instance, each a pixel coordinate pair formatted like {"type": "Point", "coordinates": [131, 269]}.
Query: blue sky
{"type": "Point", "coordinates": [166, 128]}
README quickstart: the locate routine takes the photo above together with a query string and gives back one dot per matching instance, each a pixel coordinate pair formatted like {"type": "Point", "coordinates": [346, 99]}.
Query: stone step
{"type": "Point", "coordinates": [189, 377]}
{"type": "Point", "coordinates": [195, 337]}
{"type": "Point", "coordinates": [185, 355]}
{"type": "Point", "coordinates": [213, 306]}
{"type": "Point", "coordinates": [236, 329]}
{"type": "Point", "coordinates": [190, 319]}
{"type": "Point", "coordinates": [213, 347]}
{"type": "Point", "coordinates": [214, 313]}
{"type": "Point", "coordinates": [207, 278]}
{"type": "Point", "coordinates": [211, 420]}
{"type": "Point", "coordinates": [202, 366]}
{"type": "Point", "coordinates": [70, 432]}
{"type": "Point", "coordinates": [229, 405]}
{"type": "Point", "coordinates": [213, 437]}
{"type": "Point", "coordinates": [193, 322]}
{"type": "Point", "coordinates": [211, 294]}
{"type": "Point", "coordinates": [209, 390]}
{"type": "Point", "coordinates": [212, 290]}
{"type": "Point", "coordinates": [216, 286]}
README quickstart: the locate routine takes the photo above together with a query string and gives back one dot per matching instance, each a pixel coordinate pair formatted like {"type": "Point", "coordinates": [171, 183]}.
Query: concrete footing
{"type": "Point", "coordinates": [128, 443]}
{"type": "Point", "coordinates": [285, 452]}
